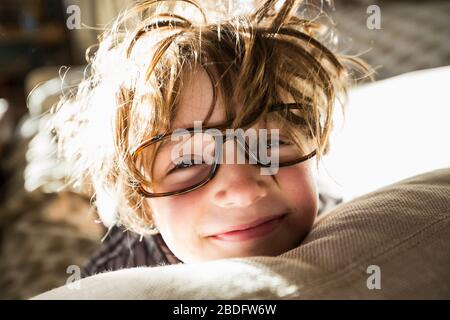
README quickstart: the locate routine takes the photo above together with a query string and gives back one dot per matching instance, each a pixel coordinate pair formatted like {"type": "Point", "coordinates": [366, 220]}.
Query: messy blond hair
{"type": "Point", "coordinates": [137, 73]}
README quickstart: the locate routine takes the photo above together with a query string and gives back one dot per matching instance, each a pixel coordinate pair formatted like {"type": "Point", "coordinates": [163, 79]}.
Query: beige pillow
{"type": "Point", "coordinates": [392, 243]}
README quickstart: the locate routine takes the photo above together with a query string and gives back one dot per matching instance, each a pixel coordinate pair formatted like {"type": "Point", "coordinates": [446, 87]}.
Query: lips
{"type": "Point", "coordinates": [253, 230]}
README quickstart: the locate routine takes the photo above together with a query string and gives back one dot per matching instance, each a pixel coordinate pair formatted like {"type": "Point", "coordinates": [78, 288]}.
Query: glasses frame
{"type": "Point", "coordinates": [217, 156]}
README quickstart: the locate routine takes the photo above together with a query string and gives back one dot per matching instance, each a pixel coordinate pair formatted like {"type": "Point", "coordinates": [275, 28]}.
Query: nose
{"type": "Point", "coordinates": [239, 186]}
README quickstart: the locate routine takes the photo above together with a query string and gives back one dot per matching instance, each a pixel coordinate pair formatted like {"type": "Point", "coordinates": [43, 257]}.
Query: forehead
{"type": "Point", "coordinates": [197, 96]}
{"type": "Point", "coordinates": [195, 101]}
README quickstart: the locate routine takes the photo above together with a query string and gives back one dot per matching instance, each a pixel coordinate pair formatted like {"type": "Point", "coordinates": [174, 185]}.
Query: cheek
{"type": "Point", "coordinates": [299, 189]}
{"type": "Point", "coordinates": [177, 218]}
{"type": "Point", "coordinates": [178, 211]}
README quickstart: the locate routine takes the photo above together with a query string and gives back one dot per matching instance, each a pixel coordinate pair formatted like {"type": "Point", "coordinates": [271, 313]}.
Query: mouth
{"type": "Point", "coordinates": [257, 230]}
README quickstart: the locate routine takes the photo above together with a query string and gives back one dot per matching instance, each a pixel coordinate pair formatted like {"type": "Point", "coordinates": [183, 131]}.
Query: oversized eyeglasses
{"type": "Point", "coordinates": [186, 159]}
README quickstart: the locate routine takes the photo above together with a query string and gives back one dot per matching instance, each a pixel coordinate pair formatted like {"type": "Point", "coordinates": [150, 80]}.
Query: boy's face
{"type": "Point", "coordinates": [239, 196]}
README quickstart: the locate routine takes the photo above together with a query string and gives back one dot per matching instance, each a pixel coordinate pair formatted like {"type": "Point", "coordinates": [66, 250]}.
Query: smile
{"type": "Point", "coordinates": [257, 231]}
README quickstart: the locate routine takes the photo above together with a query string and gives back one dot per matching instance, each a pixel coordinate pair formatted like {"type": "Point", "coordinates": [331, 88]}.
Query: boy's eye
{"type": "Point", "coordinates": [185, 163]}
{"type": "Point", "coordinates": [276, 143]}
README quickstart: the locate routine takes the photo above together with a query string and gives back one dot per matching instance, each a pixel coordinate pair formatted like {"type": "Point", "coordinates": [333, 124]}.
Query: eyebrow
{"type": "Point", "coordinates": [278, 106]}
{"type": "Point", "coordinates": [212, 125]}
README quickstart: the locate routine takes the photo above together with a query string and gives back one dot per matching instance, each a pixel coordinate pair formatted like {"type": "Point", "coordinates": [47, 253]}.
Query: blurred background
{"type": "Point", "coordinates": [43, 231]}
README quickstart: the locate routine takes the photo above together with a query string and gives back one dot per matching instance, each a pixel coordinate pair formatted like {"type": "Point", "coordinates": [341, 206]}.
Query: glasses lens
{"type": "Point", "coordinates": [275, 146]}
{"type": "Point", "coordinates": [177, 162]}
{"type": "Point", "coordinates": [288, 151]}
{"type": "Point", "coordinates": [183, 160]}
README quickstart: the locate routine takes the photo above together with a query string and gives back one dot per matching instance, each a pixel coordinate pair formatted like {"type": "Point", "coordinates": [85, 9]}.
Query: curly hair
{"type": "Point", "coordinates": [138, 70]}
